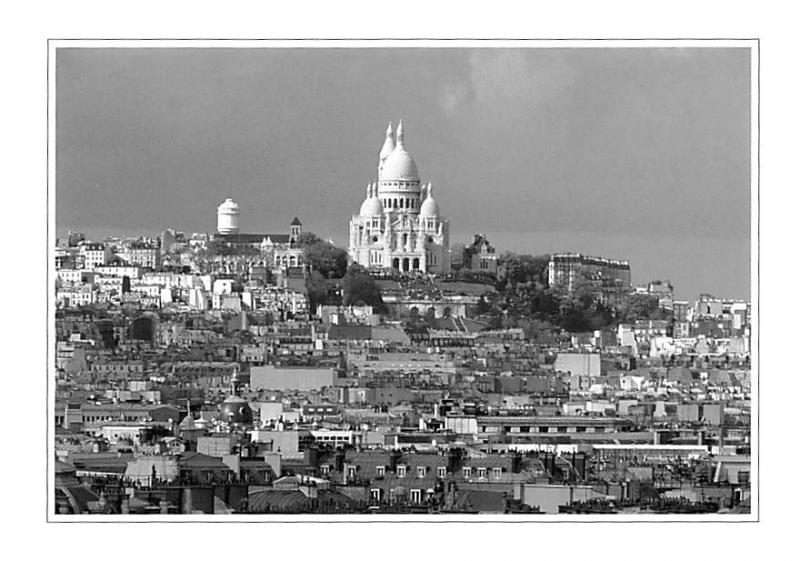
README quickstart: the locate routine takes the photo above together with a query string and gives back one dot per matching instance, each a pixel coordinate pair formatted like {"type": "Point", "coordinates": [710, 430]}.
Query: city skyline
{"type": "Point", "coordinates": [563, 174]}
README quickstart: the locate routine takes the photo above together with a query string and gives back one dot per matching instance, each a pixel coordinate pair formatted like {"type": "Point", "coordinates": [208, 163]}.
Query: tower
{"type": "Point", "coordinates": [228, 217]}
{"type": "Point", "coordinates": [295, 229]}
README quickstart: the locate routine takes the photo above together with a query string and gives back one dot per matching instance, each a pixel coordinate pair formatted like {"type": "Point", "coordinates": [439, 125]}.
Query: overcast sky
{"type": "Point", "coordinates": [640, 154]}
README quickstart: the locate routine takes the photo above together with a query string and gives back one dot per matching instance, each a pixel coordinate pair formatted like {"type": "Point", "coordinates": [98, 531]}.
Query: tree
{"type": "Point", "coordinates": [307, 239]}
{"type": "Point", "coordinates": [154, 433]}
{"type": "Point", "coordinates": [361, 289]}
{"type": "Point", "coordinates": [521, 268]}
{"type": "Point", "coordinates": [640, 306]}
{"type": "Point", "coordinates": [326, 258]}
{"type": "Point", "coordinates": [317, 290]}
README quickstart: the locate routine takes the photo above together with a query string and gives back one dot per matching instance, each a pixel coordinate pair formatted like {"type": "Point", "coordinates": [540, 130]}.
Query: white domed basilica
{"type": "Point", "coordinates": [399, 226]}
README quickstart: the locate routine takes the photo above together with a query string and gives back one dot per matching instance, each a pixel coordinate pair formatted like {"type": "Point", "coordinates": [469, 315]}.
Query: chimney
{"type": "Point", "coordinates": [394, 457]}
{"type": "Point", "coordinates": [186, 502]}
{"type": "Point", "coordinates": [311, 456]}
{"type": "Point", "coordinates": [516, 462]}
{"type": "Point", "coordinates": [339, 460]}
{"type": "Point", "coordinates": [454, 456]}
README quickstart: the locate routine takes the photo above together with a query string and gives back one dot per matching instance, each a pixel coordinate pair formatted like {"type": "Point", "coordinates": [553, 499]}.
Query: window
{"type": "Point", "coordinates": [351, 471]}
{"type": "Point", "coordinates": [467, 471]}
{"type": "Point", "coordinates": [442, 471]}
{"type": "Point", "coordinates": [401, 471]}
{"type": "Point", "coordinates": [376, 494]}
{"type": "Point", "coordinates": [481, 473]}
{"type": "Point", "coordinates": [380, 470]}
{"type": "Point", "coordinates": [497, 472]}
{"type": "Point", "coordinates": [421, 471]}
{"type": "Point", "coordinates": [415, 496]}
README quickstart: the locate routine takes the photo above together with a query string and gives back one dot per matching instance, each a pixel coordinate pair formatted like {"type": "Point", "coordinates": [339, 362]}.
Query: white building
{"type": "Point", "coordinates": [399, 226]}
{"type": "Point", "coordinates": [94, 255]}
{"type": "Point", "coordinates": [81, 295]}
{"type": "Point", "coordinates": [147, 257]}
{"type": "Point", "coordinates": [228, 217]}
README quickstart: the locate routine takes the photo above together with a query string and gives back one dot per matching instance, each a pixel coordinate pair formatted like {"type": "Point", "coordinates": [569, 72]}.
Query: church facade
{"type": "Point", "coordinates": [399, 226]}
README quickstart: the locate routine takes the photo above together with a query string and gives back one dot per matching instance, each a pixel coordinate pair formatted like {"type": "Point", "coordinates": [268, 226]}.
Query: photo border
{"type": "Point", "coordinates": [53, 44]}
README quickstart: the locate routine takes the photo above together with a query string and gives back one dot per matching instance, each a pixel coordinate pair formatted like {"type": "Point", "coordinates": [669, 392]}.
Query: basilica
{"type": "Point", "coordinates": [399, 226]}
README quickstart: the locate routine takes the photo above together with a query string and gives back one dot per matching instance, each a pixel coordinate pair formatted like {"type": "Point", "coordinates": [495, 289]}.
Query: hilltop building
{"type": "Point", "coordinates": [399, 225]}
{"type": "Point", "coordinates": [608, 279]}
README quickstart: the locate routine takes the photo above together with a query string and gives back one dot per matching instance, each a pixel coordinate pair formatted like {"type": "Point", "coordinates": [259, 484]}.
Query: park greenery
{"type": "Point", "coordinates": [523, 297]}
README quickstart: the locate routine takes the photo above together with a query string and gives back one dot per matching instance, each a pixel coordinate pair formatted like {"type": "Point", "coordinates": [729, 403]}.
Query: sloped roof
{"type": "Point", "coordinates": [292, 501]}
{"type": "Point", "coordinates": [198, 460]}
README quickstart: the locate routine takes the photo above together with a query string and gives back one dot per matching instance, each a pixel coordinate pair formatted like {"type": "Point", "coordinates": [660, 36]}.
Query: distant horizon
{"type": "Point", "coordinates": [640, 154]}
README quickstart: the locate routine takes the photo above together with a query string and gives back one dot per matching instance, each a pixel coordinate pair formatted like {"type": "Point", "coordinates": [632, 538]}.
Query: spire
{"type": "Point", "coordinates": [388, 144]}
{"type": "Point", "coordinates": [430, 189]}
{"type": "Point", "coordinates": [400, 135]}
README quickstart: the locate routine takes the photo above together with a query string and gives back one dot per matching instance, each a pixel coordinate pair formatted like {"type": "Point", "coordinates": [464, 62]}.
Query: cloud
{"type": "Point", "coordinates": [451, 98]}
{"type": "Point", "coordinates": [515, 76]}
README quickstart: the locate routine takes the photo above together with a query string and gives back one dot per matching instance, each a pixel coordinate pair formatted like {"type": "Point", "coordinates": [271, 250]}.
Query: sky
{"type": "Point", "coordinates": [628, 153]}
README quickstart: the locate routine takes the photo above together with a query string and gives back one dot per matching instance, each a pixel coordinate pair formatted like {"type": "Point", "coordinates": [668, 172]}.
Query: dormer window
{"type": "Point", "coordinates": [401, 471]}
{"type": "Point", "coordinates": [497, 472]}
{"type": "Point", "coordinates": [467, 472]}
{"type": "Point", "coordinates": [481, 473]}
{"type": "Point", "coordinates": [442, 471]}
{"type": "Point", "coordinates": [421, 471]}
{"type": "Point", "coordinates": [325, 469]}
{"type": "Point", "coordinates": [380, 471]}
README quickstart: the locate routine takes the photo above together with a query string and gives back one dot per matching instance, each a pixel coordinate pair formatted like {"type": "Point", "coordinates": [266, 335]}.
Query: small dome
{"type": "Point", "coordinates": [236, 410]}
{"type": "Point", "coordinates": [371, 207]}
{"type": "Point", "coordinates": [429, 206]}
{"type": "Point", "coordinates": [372, 204]}
{"type": "Point", "coordinates": [229, 205]}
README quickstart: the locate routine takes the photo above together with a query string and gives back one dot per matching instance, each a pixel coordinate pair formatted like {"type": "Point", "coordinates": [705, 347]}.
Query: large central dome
{"type": "Point", "coordinates": [400, 165]}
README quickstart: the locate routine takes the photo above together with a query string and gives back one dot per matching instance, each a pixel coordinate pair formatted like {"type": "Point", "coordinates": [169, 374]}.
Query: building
{"type": "Point", "coordinates": [228, 217]}
{"type": "Point", "coordinates": [277, 250]}
{"type": "Point", "coordinates": [94, 254]}
{"type": "Point", "coordinates": [270, 377]}
{"type": "Point", "coordinates": [480, 256]}
{"type": "Point", "coordinates": [142, 256]}
{"type": "Point", "coordinates": [399, 226]}
{"type": "Point", "coordinates": [608, 279]}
